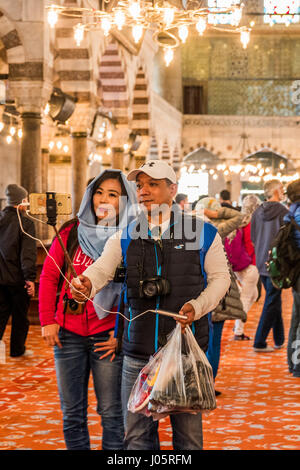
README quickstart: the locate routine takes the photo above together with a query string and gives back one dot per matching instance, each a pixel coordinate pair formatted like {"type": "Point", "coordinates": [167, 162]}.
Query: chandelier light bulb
{"type": "Point", "coordinates": [1, 126]}
{"type": "Point", "coordinates": [135, 9]}
{"type": "Point", "coordinates": [183, 32]}
{"type": "Point", "coordinates": [66, 148]}
{"type": "Point", "coordinates": [47, 109]}
{"type": "Point", "coordinates": [52, 17]}
{"type": "Point", "coordinates": [108, 151]}
{"type": "Point", "coordinates": [106, 25]}
{"type": "Point", "coordinates": [119, 19]}
{"type": "Point", "coordinates": [245, 38]}
{"type": "Point", "coordinates": [79, 33]}
{"type": "Point", "coordinates": [51, 145]}
{"type": "Point", "coordinates": [109, 134]}
{"type": "Point", "coordinates": [168, 16]}
{"type": "Point", "coordinates": [201, 26]}
{"type": "Point", "coordinates": [126, 147]}
{"type": "Point", "coordinates": [59, 145]}
{"type": "Point", "coordinates": [137, 32]}
{"type": "Point", "coordinates": [9, 139]}
{"type": "Point", "coordinates": [168, 56]}
{"type": "Point", "coordinates": [12, 130]}
{"type": "Point", "coordinates": [20, 133]}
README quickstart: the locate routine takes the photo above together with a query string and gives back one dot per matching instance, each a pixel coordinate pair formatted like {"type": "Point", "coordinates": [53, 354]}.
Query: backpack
{"type": "Point", "coordinates": [283, 263]}
{"type": "Point", "coordinates": [236, 252]}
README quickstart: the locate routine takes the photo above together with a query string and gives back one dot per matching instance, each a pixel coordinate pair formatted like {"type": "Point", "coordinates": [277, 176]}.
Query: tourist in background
{"type": "Point", "coordinates": [293, 193]}
{"type": "Point", "coordinates": [226, 220]}
{"type": "Point", "coordinates": [241, 255]}
{"type": "Point", "coordinates": [265, 223]}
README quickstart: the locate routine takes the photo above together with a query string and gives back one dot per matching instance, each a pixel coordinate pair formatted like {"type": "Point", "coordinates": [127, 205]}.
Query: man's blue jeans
{"type": "Point", "coordinates": [141, 432]}
{"type": "Point", "coordinates": [213, 352]}
{"type": "Point", "coordinates": [293, 349]}
{"type": "Point", "coordinates": [271, 318]}
{"type": "Point", "coordinates": [74, 362]}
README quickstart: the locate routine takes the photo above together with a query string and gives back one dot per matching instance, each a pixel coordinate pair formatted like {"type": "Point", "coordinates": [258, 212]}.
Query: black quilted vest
{"type": "Point", "coordinates": [182, 268]}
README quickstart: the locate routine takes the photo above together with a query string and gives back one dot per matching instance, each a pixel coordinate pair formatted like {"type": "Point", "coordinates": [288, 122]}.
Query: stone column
{"type": "Point", "coordinates": [44, 169]}
{"type": "Point", "coordinates": [31, 152]}
{"type": "Point", "coordinates": [46, 233]}
{"type": "Point", "coordinates": [78, 168]}
{"type": "Point", "coordinates": [118, 158]}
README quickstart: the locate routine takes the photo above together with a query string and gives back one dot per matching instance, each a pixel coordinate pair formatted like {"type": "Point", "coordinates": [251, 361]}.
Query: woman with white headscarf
{"type": "Point", "coordinates": [248, 276]}
{"type": "Point", "coordinates": [78, 331]}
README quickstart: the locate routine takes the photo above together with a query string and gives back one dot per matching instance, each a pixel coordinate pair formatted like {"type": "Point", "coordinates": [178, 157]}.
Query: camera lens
{"type": "Point", "coordinates": [150, 289]}
{"type": "Point", "coordinates": [73, 304]}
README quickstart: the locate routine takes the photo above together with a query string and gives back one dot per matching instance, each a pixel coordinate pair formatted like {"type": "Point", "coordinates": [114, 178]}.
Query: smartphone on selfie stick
{"type": "Point", "coordinates": [53, 204]}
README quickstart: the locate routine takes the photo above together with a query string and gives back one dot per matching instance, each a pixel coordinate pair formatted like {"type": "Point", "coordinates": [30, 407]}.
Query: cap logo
{"type": "Point", "coordinates": [148, 164]}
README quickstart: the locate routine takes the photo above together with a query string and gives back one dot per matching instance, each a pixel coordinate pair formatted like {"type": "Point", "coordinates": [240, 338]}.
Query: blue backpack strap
{"type": "Point", "coordinates": [121, 298]}
{"type": "Point", "coordinates": [207, 237]}
{"type": "Point", "coordinates": [126, 239]}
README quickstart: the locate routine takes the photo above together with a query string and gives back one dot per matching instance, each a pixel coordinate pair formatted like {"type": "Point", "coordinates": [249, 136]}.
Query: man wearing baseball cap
{"type": "Point", "coordinates": [193, 278]}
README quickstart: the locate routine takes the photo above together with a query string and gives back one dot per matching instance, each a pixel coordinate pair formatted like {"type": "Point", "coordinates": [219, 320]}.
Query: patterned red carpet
{"type": "Point", "coordinates": [259, 408]}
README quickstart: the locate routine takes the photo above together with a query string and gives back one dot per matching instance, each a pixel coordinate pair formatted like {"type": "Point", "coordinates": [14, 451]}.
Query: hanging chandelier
{"type": "Point", "coordinates": [170, 25]}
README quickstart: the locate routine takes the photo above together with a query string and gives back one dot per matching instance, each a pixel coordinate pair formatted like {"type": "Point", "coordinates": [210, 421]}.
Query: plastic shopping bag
{"type": "Point", "coordinates": [177, 379]}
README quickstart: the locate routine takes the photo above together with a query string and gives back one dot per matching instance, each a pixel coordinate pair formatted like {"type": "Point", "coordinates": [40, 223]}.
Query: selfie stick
{"type": "Point", "coordinates": [52, 215]}
{"type": "Point", "coordinates": [170, 314]}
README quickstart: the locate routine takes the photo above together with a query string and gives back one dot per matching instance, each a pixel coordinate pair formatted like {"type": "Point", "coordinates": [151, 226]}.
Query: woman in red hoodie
{"type": "Point", "coordinates": [249, 276]}
{"type": "Point", "coordinates": [76, 330]}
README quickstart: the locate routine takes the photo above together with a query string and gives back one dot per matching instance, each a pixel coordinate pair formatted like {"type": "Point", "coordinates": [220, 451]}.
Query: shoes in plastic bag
{"type": "Point", "coordinates": [177, 379]}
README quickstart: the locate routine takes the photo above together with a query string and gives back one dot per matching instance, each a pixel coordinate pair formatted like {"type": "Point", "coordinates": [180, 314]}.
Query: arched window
{"type": "Point", "coordinates": [281, 11]}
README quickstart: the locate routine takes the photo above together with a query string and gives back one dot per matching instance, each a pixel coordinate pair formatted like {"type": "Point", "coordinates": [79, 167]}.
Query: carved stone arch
{"type": "Point", "coordinates": [113, 84]}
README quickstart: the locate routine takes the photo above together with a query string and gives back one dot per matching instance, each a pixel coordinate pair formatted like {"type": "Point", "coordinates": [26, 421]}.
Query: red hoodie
{"type": "Point", "coordinates": [248, 243]}
{"type": "Point", "coordinates": [85, 324]}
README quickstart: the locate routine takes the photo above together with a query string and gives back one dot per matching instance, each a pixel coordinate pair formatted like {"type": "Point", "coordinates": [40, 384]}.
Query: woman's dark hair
{"type": "Point", "coordinates": [107, 175]}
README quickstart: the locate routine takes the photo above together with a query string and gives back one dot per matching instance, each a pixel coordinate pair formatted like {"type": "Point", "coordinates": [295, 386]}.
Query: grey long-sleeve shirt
{"type": "Point", "coordinates": [218, 277]}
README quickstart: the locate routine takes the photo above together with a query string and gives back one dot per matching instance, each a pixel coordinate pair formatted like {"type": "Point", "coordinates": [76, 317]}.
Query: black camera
{"type": "Point", "coordinates": [120, 274]}
{"type": "Point", "coordinates": [72, 307]}
{"type": "Point", "coordinates": [154, 286]}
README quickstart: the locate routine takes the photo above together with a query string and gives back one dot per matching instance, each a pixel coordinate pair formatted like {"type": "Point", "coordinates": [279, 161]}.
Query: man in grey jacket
{"type": "Point", "coordinates": [265, 223]}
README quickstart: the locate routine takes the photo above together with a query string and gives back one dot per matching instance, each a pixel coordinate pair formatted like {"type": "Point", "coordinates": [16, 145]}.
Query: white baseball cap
{"type": "Point", "coordinates": [157, 169]}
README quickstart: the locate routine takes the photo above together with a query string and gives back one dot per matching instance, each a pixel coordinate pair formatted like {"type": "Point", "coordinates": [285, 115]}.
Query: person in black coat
{"type": "Point", "coordinates": [17, 269]}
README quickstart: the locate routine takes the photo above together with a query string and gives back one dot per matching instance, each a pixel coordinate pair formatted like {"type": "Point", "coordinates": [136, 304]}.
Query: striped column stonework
{"type": "Point", "coordinates": [73, 64]}
{"type": "Point", "coordinates": [165, 154]}
{"type": "Point", "coordinates": [17, 67]}
{"type": "Point", "coordinates": [176, 159]}
{"type": "Point", "coordinates": [153, 153]}
{"type": "Point", "coordinates": [113, 86]}
{"type": "Point", "coordinates": [140, 106]}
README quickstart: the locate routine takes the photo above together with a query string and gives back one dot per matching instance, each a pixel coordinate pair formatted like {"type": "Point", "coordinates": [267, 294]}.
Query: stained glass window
{"type": "Point", "coordinates": [223, 18]}
{"type": "Point", "coordinates": [281, 11]}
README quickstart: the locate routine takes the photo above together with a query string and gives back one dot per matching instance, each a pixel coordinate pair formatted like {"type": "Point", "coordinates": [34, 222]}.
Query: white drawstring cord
{"type": "Point", "coordinates": [67, 280]}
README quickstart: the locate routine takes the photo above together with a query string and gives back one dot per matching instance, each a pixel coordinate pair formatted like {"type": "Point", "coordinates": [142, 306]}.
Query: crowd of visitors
{"type": "Point", "coordinates": [140, 250]}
